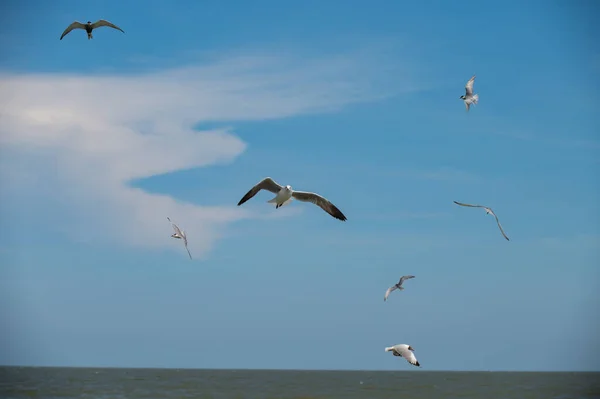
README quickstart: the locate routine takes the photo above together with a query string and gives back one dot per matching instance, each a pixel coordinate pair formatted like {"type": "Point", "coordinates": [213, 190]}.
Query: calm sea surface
{"type": "Point", "coordinates": [55, 383]}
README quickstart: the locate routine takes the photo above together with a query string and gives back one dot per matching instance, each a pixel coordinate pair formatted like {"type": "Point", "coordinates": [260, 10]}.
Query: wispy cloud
{"type": "Point", "coordinates": [99, 132]}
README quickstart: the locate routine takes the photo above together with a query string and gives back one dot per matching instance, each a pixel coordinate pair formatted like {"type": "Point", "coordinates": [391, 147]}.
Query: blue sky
{"type": "Point", "coordinates": [101, 140]}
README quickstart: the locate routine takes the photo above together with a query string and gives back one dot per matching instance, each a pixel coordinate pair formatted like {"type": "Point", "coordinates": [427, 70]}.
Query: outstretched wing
{"type": "Point", "coordinates": [389, 290]}
{"type": "Point", "coordinates": [175, 227]}
{"type": "Point", "coordinates": [74, 25]}
{"type": "Point", "coordinates": [102, 22]}
{"type": "Point", "coordinates": [472, 206]}
{"type": "Point", "coordinates": [320, 201]}
{"type": "Point", "coordinates": [469, 86]}
{"type": "Point", "coordinates": [186, 245]}
{"type": "Point", "coordinates": [410, 357]}
{"type": "Point", "coordinates": [265, 184]}
{"type": "Point", "coordinates": [404, 278]}
{"type": "Point", "coordinates": [500, 227]}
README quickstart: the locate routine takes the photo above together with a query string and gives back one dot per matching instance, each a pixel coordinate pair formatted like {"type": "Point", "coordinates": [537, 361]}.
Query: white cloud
{"type": "Point", "coordinates": [100, 132]}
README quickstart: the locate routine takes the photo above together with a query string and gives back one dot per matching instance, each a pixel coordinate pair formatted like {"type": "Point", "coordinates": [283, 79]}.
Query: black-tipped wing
{"type": "Point", "coordinates": [469, 86]}
{"type": "Point", "coordinates": [320, 201]}
{"type": "Point", "coordinates": [404, 278]}
{"type": "Point", "coordinates": [500, 227]}
{"type": "Point", "coordinates": [102, 22]}
{"type": "Point", "coordinates": [74, 25]}
{"type": "Point", "coordinates": [265, 184]}
{"type": "Point", "coordinates": [472, 206]}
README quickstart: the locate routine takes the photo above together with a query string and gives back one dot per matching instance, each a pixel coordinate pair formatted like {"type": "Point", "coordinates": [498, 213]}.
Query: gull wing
{"type": "Point", "coordinates": [186, 245]}
{"type": "Point", "coordinates": [472, 206]}
{"type": "Point", "coordinates": [410, 357]}
{"type": "Point", "coordinates": [469, 86]}
{"type": "Point", "coordinates": [404, 278]}
{"type": "Point", "coordinates": [74, 25]}
{"type": "Point", "coordinates": [320, 201]}
{"type": "Point", "coordinates": [500, 227]}
{"type": "Point", "coordinates": [102, 22]}
{"type": "Point", "coordinates": [265, 184]}
{"type": "Point", "coordinates": [389, 290]}
{"type": "Point", "coordinates": [175, 227]}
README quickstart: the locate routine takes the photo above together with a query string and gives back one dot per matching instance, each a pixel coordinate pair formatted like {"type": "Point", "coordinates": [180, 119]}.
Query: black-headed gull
{"type": "Point", "coordinates": [405, 351]}
{"type": "Point", "coordinates": [89, 27]}
{"type": "Point", "coordinates": [470, 98]}
{"type": "Point", "coordinates": [284, 194]}
{"type": "Point", "coordinates": [487, 211]}
{"type": "Point", "coordinates": [180, 234]}
{"type": "Point", "coordinates": [397, 286]}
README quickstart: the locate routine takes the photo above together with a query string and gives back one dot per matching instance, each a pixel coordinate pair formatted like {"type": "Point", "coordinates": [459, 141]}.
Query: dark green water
{"type": "Point", "coordinates": [55, 383]}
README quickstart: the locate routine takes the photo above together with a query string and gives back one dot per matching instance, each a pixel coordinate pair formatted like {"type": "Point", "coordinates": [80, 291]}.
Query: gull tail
{"type": "Point", "coordinates": [475, 98]}
{"type": "Point", "coordinates": [391, 348]}
{"type": "Point", "coordinates": [273, 201]}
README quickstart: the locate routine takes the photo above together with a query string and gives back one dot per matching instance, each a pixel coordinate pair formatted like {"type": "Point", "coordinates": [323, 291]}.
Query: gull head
{"type": "Point", "coordinates": [288, 187]}
{"type": "Point", "coordinates": [89, 22]}
{"type": "Point", "coordinates": [462, 97]}
{"type": "Point", "coordinates": [174, 235]}
{"type": "Point", "coordinates": [410, 348]}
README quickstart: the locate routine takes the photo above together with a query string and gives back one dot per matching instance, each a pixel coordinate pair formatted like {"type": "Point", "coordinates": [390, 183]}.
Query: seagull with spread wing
{"type": "Point", "coordinates": [470, 98]}
{"type": "Point", "coordinates": [397, 286]}
{"type": "Point", "coordinates": [405, 351]}
{"type": "Point", "coordinates": [180, 234]}
{"type": "Point", "coordinates": [89, 27]}
{"type": "Point", "coordinates": [487, 211]}
{"type": "Point", "coordinates": [285, 194]}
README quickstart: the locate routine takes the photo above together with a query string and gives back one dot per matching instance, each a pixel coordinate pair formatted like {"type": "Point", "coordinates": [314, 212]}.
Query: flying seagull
{"type": "Point", "coordinates": [89, 27]}
{"type": "Point", "coordinates": [286, 194]}
{"type": "Point", "coordinates": [487, 211]}
{"type": "Point", "coordinates": [406, 352]}
{"type": "Point", "coordinates": [470, 98]}
{"type": "Point", "coordinates": [397, 286]}
{"type": "Point", "coordinates": [179, 234]}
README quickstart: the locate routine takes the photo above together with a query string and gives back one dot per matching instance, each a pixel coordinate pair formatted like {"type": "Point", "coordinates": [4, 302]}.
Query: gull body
{"type": "Point", "coordinates": [488, 211]}
{"type": "Point", "coordinates": [89, 27]}
{"type": "Point", "coordinates": [180, 234]}
{"type": "Point", "coordinates": [285, 194]}
{"type": "Point", "coordinates": [397, 286]}
{"type": "Point", "coordinates": [405, 351]}
{"type": "Point", "coordinates": [470, 98]}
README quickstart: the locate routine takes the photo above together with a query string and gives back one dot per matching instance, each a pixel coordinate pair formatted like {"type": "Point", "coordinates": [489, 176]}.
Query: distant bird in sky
{"type": "Point", "coordinates": [180, 234]}
{"type": "Point", "coordinates": [406, 352]}
{"type": "Point", "coordinates": [397, 286]}
{"type": "Point", "coordinates": [89, 27]}
{"type": "Point", "coordinates": [470, 98]}
{"type": "Point", "coordinates": [284, 196]}
{"type": "Point", "coordinates": [487, 211]}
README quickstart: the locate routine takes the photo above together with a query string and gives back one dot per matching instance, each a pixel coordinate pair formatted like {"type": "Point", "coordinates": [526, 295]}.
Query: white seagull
{"type": "Point", "coordinates": [89, 27]}
{"type": "Point", "coordinates": [470, 98]}
{"type": "Point", "coordinates": [285, 194]}
{"type": "Point", "coordinates": [406, 351]}
{"type": "Point", "coordinates": [179, 234]}
{"type": "Point", "coordinates": [397, 286]}
{"type": "Point", "coordinates": [487, 211]}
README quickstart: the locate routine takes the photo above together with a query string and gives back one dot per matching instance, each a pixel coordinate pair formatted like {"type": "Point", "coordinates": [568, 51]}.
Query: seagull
{"type": "Point", "coordinates": [89, 27]}
{"type": "Point", "coordinates": [406, 352]}
{"type": "Point", "coordinates": [470, 98]}
{"type": "Point", "coordinates": [179, 234]}
{"type": "Point", "coordinates": [487, 211]}
{"type": "Point", "coordinates": [397, 286]}
{"type": "Point", "coordinates": [285, 194]}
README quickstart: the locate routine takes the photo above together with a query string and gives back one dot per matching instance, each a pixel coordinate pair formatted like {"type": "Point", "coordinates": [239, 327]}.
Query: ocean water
{"type": "Point", "coordinates": [103, 383]}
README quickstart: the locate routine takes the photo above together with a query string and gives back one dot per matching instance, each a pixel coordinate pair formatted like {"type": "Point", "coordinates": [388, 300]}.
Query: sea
{"type": "Point", "coordinates": [115, 383]}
